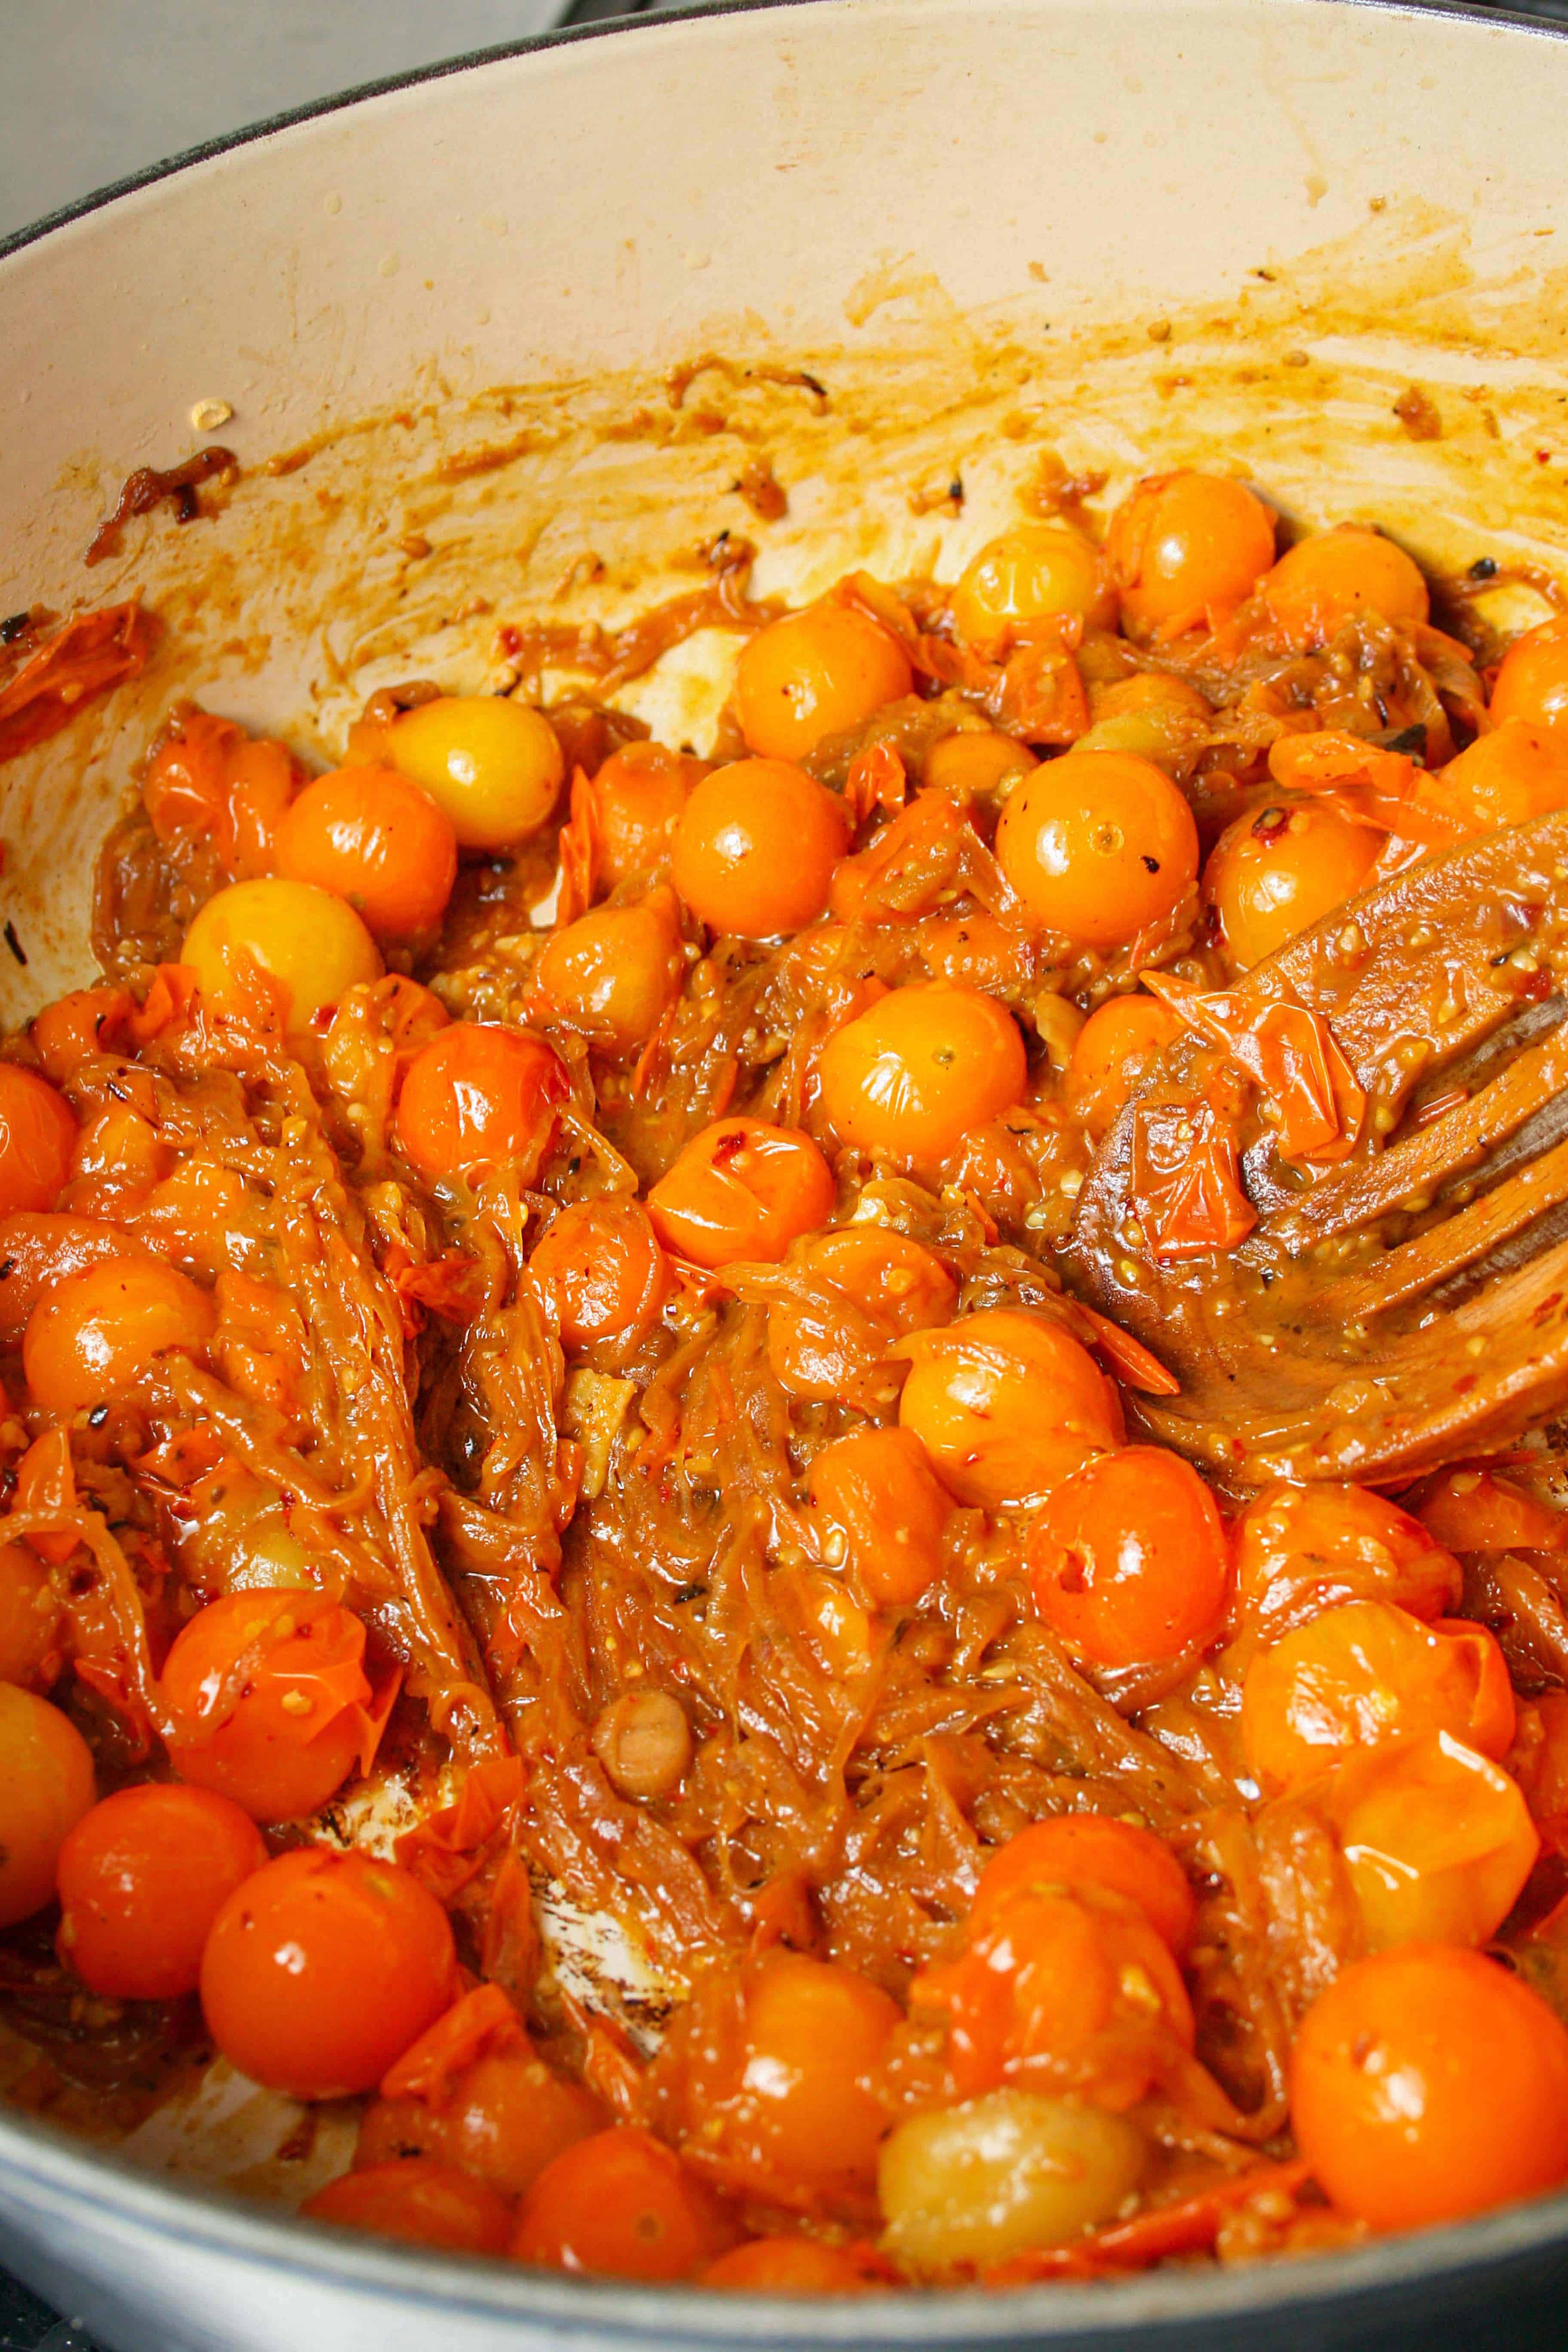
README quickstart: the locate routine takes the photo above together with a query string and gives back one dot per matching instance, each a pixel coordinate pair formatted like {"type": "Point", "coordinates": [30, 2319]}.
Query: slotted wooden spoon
{"type": "Point", "coordinates": [1406, 1304]}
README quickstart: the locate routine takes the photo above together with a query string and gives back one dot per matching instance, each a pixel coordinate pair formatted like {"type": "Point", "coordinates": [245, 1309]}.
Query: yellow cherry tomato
{"type": "Point", "coordinates": [920, 1071]}
{"type": "Point", "coordinates": [45, 1769]}
{"type": "Point", "coordinates": [1271, 876]}
{"type": "Point", "coordinates": [493, 764]}
{"type": "Point", "coordinates": [1035, 573]}
{"type": "Point", "coordinates": [1182, 547]}
{"type": "Point", "coordinates": [1099, 844]}
{"type": "Point", "coordinates": [1337, 577]}
{"type": "Point", "coordinates": [280, 949]}
{"type": "Point", "coordinates": [1006, 1405]}
{"type": "Point", "coordinates": [816, 674]}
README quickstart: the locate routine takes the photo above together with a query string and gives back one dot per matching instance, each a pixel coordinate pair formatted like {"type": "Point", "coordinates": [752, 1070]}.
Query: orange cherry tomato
{"type": "Point", "coordinates": [140, 1880]}
{"type": "Point", "coordinates": [1437, 1842]}
{"type": "Point", "coordinates": [480, 1096]}
{"type": "Point", "coordinates": [502, 2119]}
{"type": "Point", "coordinates": [775, 2077]}
{"type": "Point", "coordinates": [792, 2266]}
{"type": "Point", "coordinates": [920, 1072]}
{"type": "Point", "coordinates": [323, 1968]}
{"type": "Point", "coordinates": [1517, 772]}
{"type": "Point", "coordinates": [209, 781]}
{"type": "Point", "coordinates": [813, 674]}
{"type": "Point", "coordinates": [1428, 2084]}
{"type": "Point", "coordinates": [1475, 1510]}
{"type": "Point", "coordinates": [600, 1274]}
{"type": "Point", "coordinates": [1339, 576]}
{"type": "Point", "coordinates": [755, 848]}
{"type": "Point", "coordinates": [1037, 571]}
{"type": "Point", "coordinates": [422, 2204]}
{"type": "Point", "coordinates": [1118, 1042]}
{"type": "Point", "coordinates": [271, 1692]}
{"type": "Point", "coordinates": [620, 2205]}
{"type": "Point", "coordinates": [1091, 1850]}
{"type": "Point", "coordinates": [1308, 1547]}
{"type": "Point", "coordinates": [31, 1620]}
{"type": "Point", "coordinates": [1070, 1989]}
{"type": "Point", "coordinates": [92, 1335]}
{"type": "Point", "coordinates": [741, 1189]}
{"type": "Point", "coordinates": [274, 953]}
{"type": "Point", "coordinates": [864, 1287]}
{"type": "Point", "coordinates": [877, 1491]}
{"type": "Point", "coordinates": [1101, 845]}
{"type": "Point", "coordinates": [46, 1769]}
{"type": "Point", "coordinates": [1367, 1675]}
{"type": "Point", "coordinates": [638, 796]}
{"type": "Point", "coordinates": [1128, 1560]}
{"type": "Point", "coordinates": [1271, 876]}
{"type": "Point", "coordinates": [1183, 549]}
{"type": "Point", "coordinates": [970, 765]}
{"type": "Point", "coordinates": [371, 836]}
{"type": "Point", "coordinates": [612, 974]}
{"type": "Point", "coordinates": [1532, 683]}
{"type": "Point", "coordinates": [1007, 1405]}
{"type": "Point", "coordinates": [38, 1137]}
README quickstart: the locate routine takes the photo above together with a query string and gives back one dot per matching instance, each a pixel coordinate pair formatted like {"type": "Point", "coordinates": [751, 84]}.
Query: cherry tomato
{"type": "Point", "coordinates": [755, 848]}
{"type": "Point", "coordinates": [422, 2204]}
{"type": "Point", "coordinates": [1437, 1842]}
{"type": "Point", "coordinates": [792, 2266]}
{"type": "Point", "coordinates": [1182, 548]}
{"type": "Point", "coordinates": [1128, 1560]}
{"type": "Point", "coordinates": [1150, 714]}
{"type": "Point", "coordinates": [140, 1880]}
{"type": "Point", "coordinates": [623, 2205]}
{"type": "Point", "coordinates": [600, 1274]}
{"type": "Point", "coordinates": [209, 781]}
{"type": "Point", "coordinates": [1117, 1044]}
{"type": "Point", "coordinates": [1532, 683]}
{"type": "Point", "coordinates": [863, 1287]}
{"type": "Point", "coordinates": [638, 796]}
{"type": "Point", "coordinates": [971, 765]}
{"type": "Point", "coordinates": [877, 1491]}
{"type": "Point", "coordinates": [91, 1336]}
{"type": "Point", "coordinates": [503, 2119]}
{"type": "Point", "coordinates": [31, 1620]}
{"type": "Point", "coordinates": [493, 765]}
{"type": "Point", "coordinates": [1066, 1989]}
{"type": "Point", "coordinates": [277, 950]}
{"type": "Point", "coordinates": [1517, 772]}
{"type": "Point", "coordinates": [1036, 571]}
{"type": "Point", "coordinates": [922, 1070]}
{"type": "Point", "coordinates": [323, 1968]}
{"type": "Point", "coordinates": [741, 1190]}
{"type": "Point", "coordinates": [612, 974]}
{"type": "Point", "coordinates": [1091, 1850]}
{"type": "Point", "coordinates": [42, 1247]}
{"type": "Point", "coordinates": [1311, 1546]}
{"type": "Point", "coordinates": [1101, 845]}
{"type": "Point", "coordinates": [1364, 1675]}
{"type": "Point", "coordinates": [1428, 2084]}
{"type": "Point", "coordinates": [38, 1137]}
{"type": "Point", "coordinates": [1271, 876]}
{"type": "Point", "coordinates": [1007, 1405]}
{"type": "Point", "coordinates": [45, 1769]}
{"type": "Point", "coordinates": [270, 1688]}
{"type": "Point", "coordinates": [813, 674]}
{"type": "Point", "coordinates": [478, 1096]}
{"type": "Point", "coordinates": [1339, 576]}
{"type": "Point", "coordinates": [371, 836]}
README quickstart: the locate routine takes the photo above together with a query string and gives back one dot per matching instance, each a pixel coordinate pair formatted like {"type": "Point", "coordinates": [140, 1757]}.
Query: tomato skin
{"type": "Point", "coordinates": [1427, 2085]}
{"type": "Point", "coordinates": [755, 848]}
{"type": "Point", "coordinates": [321, 1970]}
{"type": "Point", "coordinates": [1532, 685]}
{"type": "Point", "coordinates": [918, 1072]}
{"type": "Point", "coordinates": [1091, 1849]}
{"type": "Point", "coordinates": [1099, 845]}
{"type": "Point", "coordinates": [45, 1769]}
{"type": "Point", "coordinates": [271, 1690]}
{"type": "Point", "coordinates": [505, 2118]}
{"type": "Point", "coordinates": [275, 953]}
{"type": "Point", "coordinates": [31, 1620]}
{"type": "Point", "coordinates": [371, 836]}
{"type": "Point", "coordinates": [141, 1877]}
{"type": "Point", "coordinates": [791, 2266]}
{"type": "Point", "coordinates": [1181, 546]}
{"type": "Point", "coordinates": [91, 1335]}
{"type": "Point", "coordinates": [1339, 576]}
{"type": "Point", "coordinates": [492, 764]}
{"type": "Point", "coordinates": [972, 765]}
{"type": "Point", "coordinates": [612, 974]}
{"type": "Point", "coordinates": [1111, 1053]}
{"type": "Point", "coordinates": [620, 2205]}
{"type": "Point", "coordinates": [741, 1189]}
{"type": "Point", "coordinates": [38, 1137]}
{"type": "Point", "coordinates": [1272, 877]}
{"type": "Point", "coordinates": [601, 1274]}
{"type": "Point", "coordinates": [478, 1096]}
{"type": "Point", "coordinates": [876, 1488]}
{"type": "Point", "coordinates": [1305, 1548]}
{"type": "Point", "coordinates": [1518, 771]}
{"type": "Point", "coordinates": [1036, 571]}
{"type": "Point", "coordinates": [419, 2203]}
{"type": "Point", "coordinates": [978, 1397]}
{"type": "Point", "coordinates": [638, 796]}
{"type": "Point", "coordinates": [1128, 1560]}
{"type": "Point", "coordinates": [816, 674]}
{"type": "Point", "coordinates": [1436, 1839]}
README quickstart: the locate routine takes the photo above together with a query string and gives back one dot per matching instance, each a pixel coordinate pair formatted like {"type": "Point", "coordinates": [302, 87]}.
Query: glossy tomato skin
{"type": "Point", "coordinates": [794, 2267]}
{"type": "Point", "coordinates": [1338, 576]}
{"type": "Point", "coordinates": [491, 765]}
{"type": "Point", "coordinates": [1301, 1550]}
{"type": "Point", "coordinates": [1112, 1053]}
{"type": "Point", "coordinates": [755, 847]}
{"type": "Point", "coordinates": [1006, 1405]}
{"type": "Point", "coordinates": [1182, 548]}
{"type": "Point", "coordinates": [46, 1770]}
{"type": "Point", "coordinates": [1272, 875]}
{"type": "Point", "coordinates": [816, 674]}
{"type": "Point", "coordinates": [371, 835]}
{"type": "Point", "coordinates": [419, 2203]}
{"type": "Point", "coordinates": [638, 796]}
{"type": "Point", "coordinates": [1518, 771]}
{"type": "Point", "coordinates": [600, 1274]}
{"type": "Point", "coordinates": [1531, 686]}
{"type": "Point", "coordinates": [1091, 1849]}
{"type": "Point", "coordinates": [1036, 571]}
{"type": "Point", "coordinates": [276, 954]}
{"type": "Point", "coordinates": [141, 1877]}
{"type": "Point", "coordinates": [741, 1189]}
{"type": "Point", "coordinates": [1101, 845]}
{"type": "Point", "coordinates": [269, 1692]}
{"type": "Point", "coordinates": [478, 1096]}
{"type": "Point", "coordinates": [612, 974]}
{"type": "Point", "coordinates": [1128, 1560]}
{"type": "Point", "coordinates": [620, 2205]}
{"type": "Point", "coordinates": [38, 1137]}
{"type": "Point", "coordinates": [920, 1072]}
{"type": "Point", "coordinates": [91, 1335]}
{"type": "Point", "coordinates": [875, 1488]}
{"type": "Point", "coordinates": [1427, 2085]}
{"type": "Point", "coordinates": [321, 1970]}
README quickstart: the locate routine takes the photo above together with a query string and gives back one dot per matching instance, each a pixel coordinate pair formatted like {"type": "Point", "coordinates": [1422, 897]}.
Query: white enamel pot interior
{"type": "Point", "coordinates": [516, 331]}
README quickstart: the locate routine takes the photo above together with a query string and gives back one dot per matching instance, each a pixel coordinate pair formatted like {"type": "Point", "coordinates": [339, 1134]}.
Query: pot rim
{"type": "Point", "coordinates": [36, 2156]}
